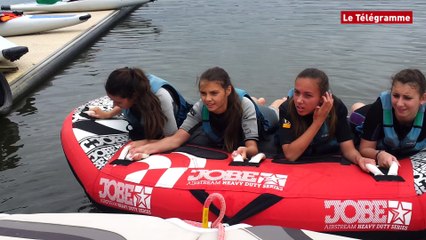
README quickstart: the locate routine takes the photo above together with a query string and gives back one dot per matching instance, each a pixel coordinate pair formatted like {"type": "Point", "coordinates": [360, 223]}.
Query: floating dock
{"type": "Point", "coordinates": [48, 52]}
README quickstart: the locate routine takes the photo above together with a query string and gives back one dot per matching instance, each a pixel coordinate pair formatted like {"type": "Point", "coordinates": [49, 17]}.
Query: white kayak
{"type": "Point", "coordinates": [28, 24]}
{"type": "Point", "coordinates": [74, 226]}
{"type": "Point", "coordinates": [10, 51]}
{"type": "Point", "coordinates": [74, 6]}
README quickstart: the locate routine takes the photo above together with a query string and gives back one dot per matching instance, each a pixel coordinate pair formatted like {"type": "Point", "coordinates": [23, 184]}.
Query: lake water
{"type": "Point", "coordinates": [262, 44]}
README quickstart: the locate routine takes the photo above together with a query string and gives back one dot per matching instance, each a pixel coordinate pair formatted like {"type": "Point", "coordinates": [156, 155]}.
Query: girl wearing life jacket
{"type": "Point", "coordinates": [152, 106]}
{"type": "Point", "coordinates": [394, 124]}
{"type": "Point", "coordinates": [221, 118]}
{"type": "Point", "coordinates": [314, 122]}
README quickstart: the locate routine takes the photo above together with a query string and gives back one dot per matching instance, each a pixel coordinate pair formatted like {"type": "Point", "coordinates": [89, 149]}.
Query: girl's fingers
{"type": "Point", "coordinates": [136, 156]}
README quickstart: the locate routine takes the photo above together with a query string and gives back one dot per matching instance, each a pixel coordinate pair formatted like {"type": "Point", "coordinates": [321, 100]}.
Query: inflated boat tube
{"type": "Point", "coordinates": [5, 96]}
{"type": "Point", "coordinates": [320, 193]}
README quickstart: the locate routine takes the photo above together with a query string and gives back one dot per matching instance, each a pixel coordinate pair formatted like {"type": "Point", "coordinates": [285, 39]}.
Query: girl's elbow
{"type": "Point", "coordinates": [289, 156]}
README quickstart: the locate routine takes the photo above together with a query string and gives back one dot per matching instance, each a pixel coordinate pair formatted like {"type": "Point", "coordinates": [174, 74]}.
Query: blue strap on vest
{"type": "Point", "coordinates": [290, 93]}
{"type": "Point", "coordinates": [207, 128]}
{"type": "Point", "coordinates": [183, 106]}
{"type": "Point", "coordinates": [157, 83]}
{"type": "Point", "coordinates": [130, 117]}
{"type": "Point", "coordinates": [391, 138]}
{"type": "Point", "coordinates": [135, 128]}
{"type": "Point", "coordinates": [263, 123]}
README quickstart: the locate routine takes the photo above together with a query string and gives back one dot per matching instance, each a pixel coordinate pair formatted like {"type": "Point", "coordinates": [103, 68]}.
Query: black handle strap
{"type": "Point", "coordinates": [256, 206]}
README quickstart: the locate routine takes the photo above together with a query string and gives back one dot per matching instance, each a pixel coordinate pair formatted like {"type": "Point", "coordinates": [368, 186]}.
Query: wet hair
{"type": "Point", "coordinates": [413, 77]}
{"type": "Point", "coordinates": [323, 84]}
{"type": "Point", "coordinates": [234, 111]}
{"type": "Point", "coordinates": [132, 83]}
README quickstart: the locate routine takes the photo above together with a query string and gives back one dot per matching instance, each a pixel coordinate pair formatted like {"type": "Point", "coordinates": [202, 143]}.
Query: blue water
{"type": "Point", "coordinates": [262, 44]}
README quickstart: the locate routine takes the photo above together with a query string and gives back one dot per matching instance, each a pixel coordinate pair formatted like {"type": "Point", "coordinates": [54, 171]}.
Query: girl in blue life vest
{"type": "Point", "coordinates": [152, 106]}
{"type": "Point", "coordinates": [314, 122]}
{"type": "Point", "coordinates": [395, 124]}
{"type": "Point", "coordinates": [224, 117]}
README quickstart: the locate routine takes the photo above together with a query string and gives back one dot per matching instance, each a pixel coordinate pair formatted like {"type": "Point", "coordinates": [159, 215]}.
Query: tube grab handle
{"type": "Point", "coordinates": [124, 153]}
{"type": "Point", "coordinates": [393, 169]}
{"type": "Point", "coordinates": [237, 157]}
{"type": "Point", "coordinates": [257, 158]}
{"type": "Point", "coordinates": [373, 169]}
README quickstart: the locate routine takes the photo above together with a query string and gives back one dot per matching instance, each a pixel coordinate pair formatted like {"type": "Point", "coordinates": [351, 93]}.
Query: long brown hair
{"type": "Point", "coordinates": [323, 84]}
{"type": "Point", "coordinates": [234, 111]}
{"type": "Point", "coordinates": [132, 83]}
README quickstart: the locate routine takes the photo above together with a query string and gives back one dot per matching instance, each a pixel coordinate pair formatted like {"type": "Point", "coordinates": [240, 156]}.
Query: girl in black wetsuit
{"type": "Point", "coordinates": [313, 121]}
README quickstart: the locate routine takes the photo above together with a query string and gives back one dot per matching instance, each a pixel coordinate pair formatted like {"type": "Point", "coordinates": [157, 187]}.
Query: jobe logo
{"type": "Point", "coordinates": [126, 196]}
{"type": "Point", "coordinates": [241, 178]}
{"type": "Point", "coordinates": [378, 214]}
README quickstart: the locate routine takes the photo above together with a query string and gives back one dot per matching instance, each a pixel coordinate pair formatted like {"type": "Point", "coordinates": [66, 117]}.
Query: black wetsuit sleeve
{"type": "Point", "coordinates": [285, 131]}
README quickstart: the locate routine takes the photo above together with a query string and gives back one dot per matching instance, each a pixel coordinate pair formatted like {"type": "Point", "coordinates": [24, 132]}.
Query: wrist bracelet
{"type": "Point", "coordinates": [377, 155]}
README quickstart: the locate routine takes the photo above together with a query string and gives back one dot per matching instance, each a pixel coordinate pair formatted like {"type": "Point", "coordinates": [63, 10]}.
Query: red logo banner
{"type": "Point", "coordinates": [376, 17]}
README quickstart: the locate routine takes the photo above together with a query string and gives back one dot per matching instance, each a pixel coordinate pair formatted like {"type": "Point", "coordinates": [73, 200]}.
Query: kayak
{"type": "Point", "coordinates": [324, 194]}
{"type": "Point", "coordinates": [101, 226]}
{"type": "Point", "coordinates": [74, 6]}
{"type": "Point", "coordinates": [28, 24]}
{"type": "Point", "coordinates": [10, 51]}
